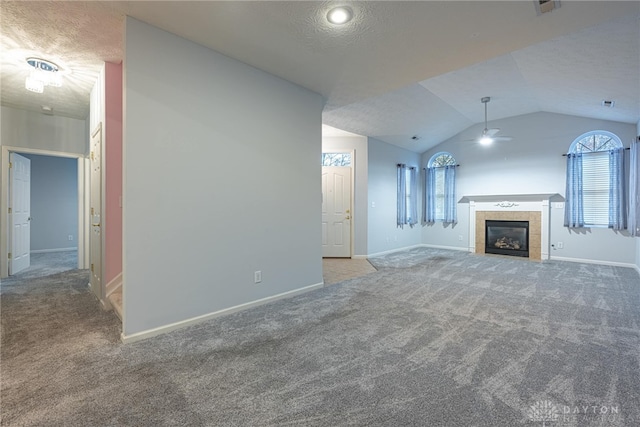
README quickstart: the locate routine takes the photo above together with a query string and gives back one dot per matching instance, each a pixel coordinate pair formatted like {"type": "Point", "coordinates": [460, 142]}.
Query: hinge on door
{"type": "Point", "coordinates": [92, 267]}
{"type": "Point", "coordinates": [10, 211]}
{"type": "Point", "coordinates": [9, 255]}
{"type": "Point", "coordinates": [91, 211]}
{"type": "Point", "coordinates": [10, 165]}
{"type": "Point", "coordinates": [92, 156]}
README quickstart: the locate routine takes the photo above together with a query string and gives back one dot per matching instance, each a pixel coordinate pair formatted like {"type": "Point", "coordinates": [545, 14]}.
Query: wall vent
{"type": "Point", "coordinates": [544, 6]}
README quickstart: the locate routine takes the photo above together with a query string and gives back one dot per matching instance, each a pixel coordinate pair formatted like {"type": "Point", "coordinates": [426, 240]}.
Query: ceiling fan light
{"type": "Point", "coordinates": [486, 140]}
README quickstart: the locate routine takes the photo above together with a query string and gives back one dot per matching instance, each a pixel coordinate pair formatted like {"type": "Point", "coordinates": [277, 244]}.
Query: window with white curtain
{"type": "Point", "coordinates": [595, 195]}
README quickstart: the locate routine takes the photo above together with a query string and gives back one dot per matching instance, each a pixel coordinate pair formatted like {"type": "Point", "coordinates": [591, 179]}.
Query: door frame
{"type": "Point", "coordinates": [83, 224]}
{"type": "Point", "coordinates": [352, 200]}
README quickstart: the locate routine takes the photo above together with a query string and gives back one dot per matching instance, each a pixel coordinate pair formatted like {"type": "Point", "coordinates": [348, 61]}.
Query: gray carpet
{"type": "Point", "coordinates": [433, 338]}
{"type": "Point", "coordinates": [48, 263]}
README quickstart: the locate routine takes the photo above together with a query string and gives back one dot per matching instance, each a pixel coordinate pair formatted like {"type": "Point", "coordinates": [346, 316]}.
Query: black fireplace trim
{"type": "Point", "coordinates": [497, 251]}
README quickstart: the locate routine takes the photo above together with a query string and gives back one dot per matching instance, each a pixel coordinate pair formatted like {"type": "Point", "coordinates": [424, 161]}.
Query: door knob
{"type": "Point", "coordinates": [348, 217]}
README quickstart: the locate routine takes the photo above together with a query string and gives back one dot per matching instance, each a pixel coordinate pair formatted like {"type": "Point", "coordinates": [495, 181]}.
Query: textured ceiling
{"type": "Point", "coordinates": [399, 69]}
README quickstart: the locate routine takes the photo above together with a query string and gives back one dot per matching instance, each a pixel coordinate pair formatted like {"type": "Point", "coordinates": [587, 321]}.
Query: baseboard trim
{"type": "Point", "coordinates": [406, 248]}
{"type": "Point", "coordinates": [451, 248]}
{"type": "Point", "coordinates": [113, 285]}
{"type": "Point", "coordinates": [359, 257]}
{"type": "Point", "coordinates": [592, 261]}
{"type": "Point", "coordinates": [138, 336]}
{"type": "Point", "coordinates": [45, 251]}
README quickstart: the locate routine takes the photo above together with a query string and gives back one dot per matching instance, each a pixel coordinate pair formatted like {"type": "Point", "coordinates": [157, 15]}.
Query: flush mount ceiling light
{"type": "Point", "coordinates": [44, 73]}
{"type": "Point", "coordinates": [340, 15]}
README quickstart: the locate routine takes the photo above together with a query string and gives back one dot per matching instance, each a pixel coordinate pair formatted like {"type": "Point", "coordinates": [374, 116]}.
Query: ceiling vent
{"type": "Point", "coordinates": [544, 6]}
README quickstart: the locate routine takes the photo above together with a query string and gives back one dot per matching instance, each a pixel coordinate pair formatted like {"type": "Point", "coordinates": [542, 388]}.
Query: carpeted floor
{"type": "Point", "coordinates": [433, 338]}
{"type": "Point", "coordinates": [48, 263]}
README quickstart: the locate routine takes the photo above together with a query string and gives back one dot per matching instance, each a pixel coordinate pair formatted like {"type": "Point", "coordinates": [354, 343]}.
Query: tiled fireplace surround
{"type": "Point", "coordinates": [534, 208]}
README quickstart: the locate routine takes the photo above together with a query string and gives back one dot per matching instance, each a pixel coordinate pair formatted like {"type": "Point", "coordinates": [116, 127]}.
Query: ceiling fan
{"type": "Point", "coordinates": [489, 135]}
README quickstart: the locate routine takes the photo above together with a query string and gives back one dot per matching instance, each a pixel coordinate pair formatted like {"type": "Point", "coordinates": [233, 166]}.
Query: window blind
{"type": "Point", "coordinates": [596, 181]}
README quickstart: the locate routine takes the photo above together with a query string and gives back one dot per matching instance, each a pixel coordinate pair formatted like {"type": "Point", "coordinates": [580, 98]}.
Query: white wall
{"type": "Point", "coordinates": [54, 202]}
{"type": "Point", "coordinates": [359, 144]}
{"type": "Point", "coordinates": [221, 179]}
{"type": "Point", "coordinates": [26, 129]}
{"type": "Point", "coordinates": [384, 235]}
{"type": "Point", "coordinates": [529, 164]}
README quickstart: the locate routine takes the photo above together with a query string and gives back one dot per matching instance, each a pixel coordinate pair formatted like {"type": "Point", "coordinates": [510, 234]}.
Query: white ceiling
{"type": "Point", "coordinates": [399, 69]}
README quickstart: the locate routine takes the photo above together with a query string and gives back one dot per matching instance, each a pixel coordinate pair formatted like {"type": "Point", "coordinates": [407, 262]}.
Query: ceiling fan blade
{"type": "Point", "coordinates": [491, 132]}
{"type": "Point", "coordinates": [502, 138]}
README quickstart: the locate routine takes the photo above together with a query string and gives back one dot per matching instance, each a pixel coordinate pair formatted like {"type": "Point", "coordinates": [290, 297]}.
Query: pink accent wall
{"type": "Point", "coordinates": [113, 171]}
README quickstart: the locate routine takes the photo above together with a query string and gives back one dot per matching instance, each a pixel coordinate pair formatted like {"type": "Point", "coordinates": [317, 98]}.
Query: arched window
{"type": "Point", "coordinates": [440, 189]}
{"type": "Point", "coordinates": [595, 193]}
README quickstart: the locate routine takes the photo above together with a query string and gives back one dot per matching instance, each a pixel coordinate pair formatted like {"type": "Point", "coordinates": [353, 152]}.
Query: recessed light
{"type": "Point", "coordinates": [46, 108]}
{"type": "Point", "coordinates": [608, 104]}
{"type": "Point", "coordinates": [340, 15]}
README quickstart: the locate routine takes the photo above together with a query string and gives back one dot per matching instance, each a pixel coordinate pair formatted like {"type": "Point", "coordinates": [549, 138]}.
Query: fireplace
{"type": "Point", "coordinates": [507, 238]}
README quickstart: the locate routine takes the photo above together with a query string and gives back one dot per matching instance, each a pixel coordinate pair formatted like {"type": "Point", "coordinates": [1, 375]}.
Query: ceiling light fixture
{"type": "Point", "coordinates": [486, 140]}
{"type": "Point", "coordinates": [44, 73]}
{"type": "Point", "coordinates": [340, 15]}
{"type": "Point", "coordinates": [608, 104]}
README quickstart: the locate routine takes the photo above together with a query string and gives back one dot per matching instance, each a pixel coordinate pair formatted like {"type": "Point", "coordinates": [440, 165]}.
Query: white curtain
{"type": "Point", "coordinates": [617, 193]}
{"type": "Point", "coordinates": [412, 209]}
{"type": "Point", "coordinates": [401, 206]}
{"type": "Point", "coordinates": [450, 202]}
{"type": "Point", "coordinates": [634, 190]}
{"type": "Point", "coordinates": [574, 210]}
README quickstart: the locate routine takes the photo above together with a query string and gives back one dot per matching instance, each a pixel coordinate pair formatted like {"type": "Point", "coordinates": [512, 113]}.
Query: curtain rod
{"type": "Point", "coordinates": [592, 152]}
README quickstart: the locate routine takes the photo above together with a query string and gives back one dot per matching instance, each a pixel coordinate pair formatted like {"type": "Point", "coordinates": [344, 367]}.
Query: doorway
{"type": "Point", "coordinates": [337, 204]}
{"type": "Point", "coordinates": [65, 206]}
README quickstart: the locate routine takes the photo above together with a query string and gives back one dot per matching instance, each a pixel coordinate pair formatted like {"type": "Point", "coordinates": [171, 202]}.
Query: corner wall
{"type": "Point", "coordinates": [113, 171]}
{"type": "Point", "coordinates": [384, 235]}
{"type": "Point", "coordinates": [221, 179]}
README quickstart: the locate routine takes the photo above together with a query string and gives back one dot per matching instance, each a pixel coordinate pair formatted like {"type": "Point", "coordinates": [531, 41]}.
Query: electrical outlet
{"type": "Point", "coordinates": [460, 237]}
{"type": "Point", "coordinates": [373, 204]}
{"type": "Point", "coordinates": [257, 276]}
{"type": "Point", "coordinates": [560, 245]}
{"type": "Point", "coordinates": [70, 237]}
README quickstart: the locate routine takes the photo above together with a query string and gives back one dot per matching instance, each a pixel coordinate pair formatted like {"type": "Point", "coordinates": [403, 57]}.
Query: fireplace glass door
{"type": "Point", "coordinates": [507, 237]}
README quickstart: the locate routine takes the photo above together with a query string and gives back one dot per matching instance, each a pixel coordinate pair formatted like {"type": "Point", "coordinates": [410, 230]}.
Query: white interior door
{"type": "Point", "coordinates": [95, 235]}
{"type": "Point", "coordinates": [19, 213]}
{"type": "Point", "coordinates": [336, 211]}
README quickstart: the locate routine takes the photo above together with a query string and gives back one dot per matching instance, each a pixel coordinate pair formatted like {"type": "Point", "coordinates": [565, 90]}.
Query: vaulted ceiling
{"type": "Point", "coordinates": [397, 70]}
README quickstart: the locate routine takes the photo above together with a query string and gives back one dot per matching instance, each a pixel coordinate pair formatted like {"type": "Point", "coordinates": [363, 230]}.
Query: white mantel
{"type": "Point", "coordinates": [514, 203]}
